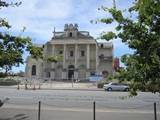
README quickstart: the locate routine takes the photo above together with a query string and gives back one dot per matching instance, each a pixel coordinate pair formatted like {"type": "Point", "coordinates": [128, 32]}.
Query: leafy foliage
{"type": "Point", "coordinates": [108, 36]}
{"type": "Point", "coordinates": [13, 47]}
{"type": "Point", "coordinates": [8, 82]}
{"type": "Point", "coordinates": [106, 20]}
{"type": "Point", "coordinates": [6, 4]}
{"type": "Point", "coordinates": [54, 59]}
{"type": "Point", "coordinates": [11, 50]}
{"type": "Point", "coordinates": [36, 52]}
{"type": "Point", "coordinates": [142, 34]}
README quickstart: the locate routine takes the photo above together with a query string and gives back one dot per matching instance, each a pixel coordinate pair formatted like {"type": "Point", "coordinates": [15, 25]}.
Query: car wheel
{"type": "Point", "coordinates": [127, 89]}
{"type": "Point", "coordinates": [109, 89]}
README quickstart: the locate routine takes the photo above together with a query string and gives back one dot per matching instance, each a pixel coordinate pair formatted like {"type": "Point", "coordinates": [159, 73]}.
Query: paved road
{"type": "Point", "coordinates": [69, 104]}
{"type": "Point", "coordinates": [72, 115]}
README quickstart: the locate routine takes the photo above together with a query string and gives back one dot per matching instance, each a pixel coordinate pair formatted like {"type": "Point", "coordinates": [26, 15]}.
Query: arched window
{"type": "Point", "coordinates": [70, 72]}
{"type": "Point", "coordinates": [102, 46]}
{"type": "Point", "coordinates": [33, 69]}
{"type": "Point", "coordinates": [70, 34]}
{"type": "Point", "coordinates": [82, 53]}
{"type": "Point", "coordinates": [71, 53]}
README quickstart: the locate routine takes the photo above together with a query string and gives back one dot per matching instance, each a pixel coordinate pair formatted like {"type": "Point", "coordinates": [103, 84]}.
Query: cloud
{"type": "Point", "coordinates": [38, 16]}
{"type": "Point", "coordinates": [57, 9]}
{"type": "Point", "coordinates": [41, 16]}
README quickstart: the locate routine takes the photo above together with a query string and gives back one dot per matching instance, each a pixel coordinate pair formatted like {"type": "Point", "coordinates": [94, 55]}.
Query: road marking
{"type": "Point", "coordinates": [25, 107]}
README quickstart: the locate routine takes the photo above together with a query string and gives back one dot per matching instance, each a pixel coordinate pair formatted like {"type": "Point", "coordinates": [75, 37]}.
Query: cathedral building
{"type": "Point", "coordinates": [82, 57]}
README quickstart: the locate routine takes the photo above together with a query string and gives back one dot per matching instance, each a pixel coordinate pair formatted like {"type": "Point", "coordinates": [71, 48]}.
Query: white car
{"type": "Point", "coordinates": [116, 87]}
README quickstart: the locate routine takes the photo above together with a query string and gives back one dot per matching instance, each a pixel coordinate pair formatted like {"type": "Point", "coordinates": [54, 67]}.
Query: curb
{"type": "Point", "coordinates": [74, 89]}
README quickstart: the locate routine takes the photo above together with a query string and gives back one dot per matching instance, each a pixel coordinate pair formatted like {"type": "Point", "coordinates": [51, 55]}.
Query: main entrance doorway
{"type": "Point", "coordinates": [70, 72]}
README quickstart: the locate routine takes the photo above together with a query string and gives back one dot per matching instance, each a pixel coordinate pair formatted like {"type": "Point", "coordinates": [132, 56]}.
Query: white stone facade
{"type": "Point", "coordinates": [82, 57]}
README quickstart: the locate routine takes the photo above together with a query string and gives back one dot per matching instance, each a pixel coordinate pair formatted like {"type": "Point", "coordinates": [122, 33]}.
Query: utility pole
{"type": "Point", "coordinates": [94, 110]}
{"type": "Point", "coordinates": [114, 4]}
{"type": "Point", "coordinates": [54, 32]}
{"type": "Point", "coordinates": [155, 111]}
{"type": "Point", "coordinates": [39, 110]}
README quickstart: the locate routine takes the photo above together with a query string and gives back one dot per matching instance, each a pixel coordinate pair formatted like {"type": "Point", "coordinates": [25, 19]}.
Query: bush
{"type": "Point", "coordinates": [2, 75]}
{"type": "Point", "coordinates": [8, 82]}
{"type": "Point", "coordinates": [101, 83]}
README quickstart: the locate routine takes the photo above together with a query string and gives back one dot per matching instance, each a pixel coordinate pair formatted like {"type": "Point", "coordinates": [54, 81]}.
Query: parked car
{"type": "Point", "coordinates": [116, 87]}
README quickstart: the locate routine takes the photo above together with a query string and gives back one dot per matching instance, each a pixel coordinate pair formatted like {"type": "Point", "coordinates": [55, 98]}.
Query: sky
{"type": "Point", "coordinates": [41, 16]}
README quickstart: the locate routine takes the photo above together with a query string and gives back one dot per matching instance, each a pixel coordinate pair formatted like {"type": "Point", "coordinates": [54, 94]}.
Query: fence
{"type": "Point", "coordinates": [78, 110]}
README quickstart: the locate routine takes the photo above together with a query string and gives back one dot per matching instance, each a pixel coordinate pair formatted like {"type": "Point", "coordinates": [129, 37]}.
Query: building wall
{"type": "Point", "coordinates": [105, 54]}
{"type": "Point", "coordinates": [84, 66]}
{"type": "Point", "coordinates": [39, 68]}
{"type": "Point", "coordinates": [81, 60]}
{"type": "Point", "coordinates": [47, 68]}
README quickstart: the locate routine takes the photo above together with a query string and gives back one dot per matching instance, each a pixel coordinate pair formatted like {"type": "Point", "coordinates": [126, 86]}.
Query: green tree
{"type": "Point", "coordinates": [54, 58]}
{"type": "Point", "coordinates": [139, 28]}
{"type": "Point", "coordinates": [12, 47]}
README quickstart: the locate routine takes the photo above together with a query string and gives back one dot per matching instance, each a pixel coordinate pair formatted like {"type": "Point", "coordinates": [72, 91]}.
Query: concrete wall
{"type": "Point", "coordinates": [39, 67]}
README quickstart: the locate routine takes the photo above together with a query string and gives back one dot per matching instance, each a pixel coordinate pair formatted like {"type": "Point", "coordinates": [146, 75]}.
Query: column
{"type": "Point", "coordinates": [64, 62]}
{"type": "Point", "coordinates": [88, 56]}
{"type": "Point", "coordinates": [97, 58]}
{"type": "Point", "coordinates": [75, 62]}
{"type": "Point", "coordinates": [76, 52]}
{"type": "Point", "coordinates": [53, 74]}
{"type": "Point", "coordinates": [64, 56]}
{"type": "Point", "coordinates": [112, 49]}
{"type": "Point", "coordinates": [53, 64]}
{"type": "Point", "coordinates": [88, 62]}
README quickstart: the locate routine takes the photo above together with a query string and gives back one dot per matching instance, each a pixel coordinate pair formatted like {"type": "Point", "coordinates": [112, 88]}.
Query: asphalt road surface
{"type": "Point", "coordinates": [77, 105]}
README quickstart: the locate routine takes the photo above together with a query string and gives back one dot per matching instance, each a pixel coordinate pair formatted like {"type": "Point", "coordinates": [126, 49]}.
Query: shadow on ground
{"type": "Point", "coordinates": [17, 117]}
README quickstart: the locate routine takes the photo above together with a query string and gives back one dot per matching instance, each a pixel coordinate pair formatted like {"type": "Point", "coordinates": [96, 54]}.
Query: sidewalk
{"type": "Point", "coordinates": [57, 86]}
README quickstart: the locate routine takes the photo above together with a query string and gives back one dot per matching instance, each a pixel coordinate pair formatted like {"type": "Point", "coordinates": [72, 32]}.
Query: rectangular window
{"type": "Point", "coordinates": [82, 53]}
{"type": "Point", "coordinates": [48, 75]}
{"type": "Point", "coordinates": [33, 69]}
{"type": "Point", "coordinates": [71, 53]}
